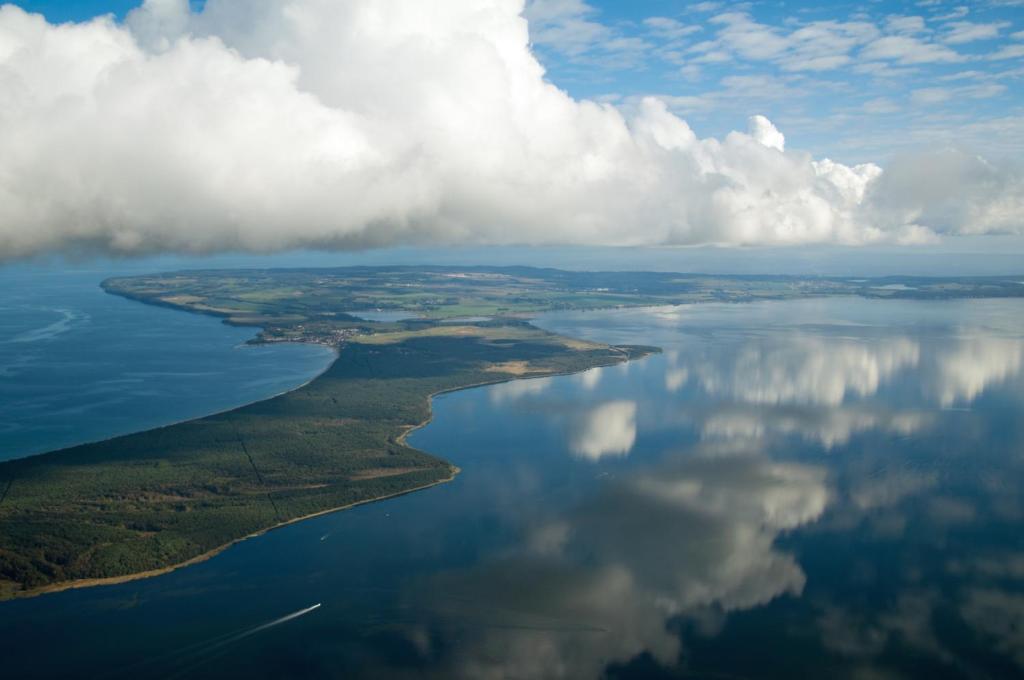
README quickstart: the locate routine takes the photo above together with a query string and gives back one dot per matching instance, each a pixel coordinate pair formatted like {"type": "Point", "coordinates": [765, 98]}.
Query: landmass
{"type": "Point", "coordinates": [142, 504]}
{"type": "Point", "coordinates": [322, 305]}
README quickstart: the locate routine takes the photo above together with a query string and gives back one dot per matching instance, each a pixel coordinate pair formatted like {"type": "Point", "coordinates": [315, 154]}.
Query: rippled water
{"type": "Point", "coordinates": [799, 489]}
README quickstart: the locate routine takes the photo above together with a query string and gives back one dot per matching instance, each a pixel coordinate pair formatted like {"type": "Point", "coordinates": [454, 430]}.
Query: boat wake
{"type": "Point", "coordinates": [183, 662]}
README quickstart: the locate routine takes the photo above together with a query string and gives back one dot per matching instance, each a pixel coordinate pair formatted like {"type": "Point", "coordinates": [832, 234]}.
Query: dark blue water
{"type": "Point", "coordinates": [78, 364]}
{"type": "Point", "coordinates": [801, 489]}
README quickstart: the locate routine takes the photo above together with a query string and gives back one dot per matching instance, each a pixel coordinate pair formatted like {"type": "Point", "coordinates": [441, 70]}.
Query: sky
{"type": "Point", "coordinates": [262, 126]}
{"type": "Point", "coordinates": [856, 81]}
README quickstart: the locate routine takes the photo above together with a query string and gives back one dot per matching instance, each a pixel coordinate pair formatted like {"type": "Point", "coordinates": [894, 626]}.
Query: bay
{"type": "Point", "coordinates": [80, 365]}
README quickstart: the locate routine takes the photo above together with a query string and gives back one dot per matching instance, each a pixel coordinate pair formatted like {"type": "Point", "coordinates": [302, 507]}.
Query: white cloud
{"type": "Point", "coordinates": [750, 39]}
{"type": "Point", "coordinates": [691, 72]}
{"type": "Point", "coordinates": [1002, 135]}
{"type": "Point", "coordinates": [937, 95]}
{"type": "Point", "coordinates": [906, 49]}
{"type": "Point", "coordinates": [564, 25]}
{"type": "Point", "coordinates": [762, 130]}
{"type": "Point", "coordinates": [263, 126]}
{"type": "Point", "coordinates": [706, 6]}
{"type": "Point", "coordinates": [880, 105]}
{"type": "Point", "coordinates": [816, 46]}
{"type": "Point", "coordinates": [879, 69]}
{"type": "Point", "coordinates": [944, 189]}
{"type": "Point", "coordinates": [666, 27]}
{"type": "Point", "coordinates": [931, 95]}
{"type": "Point", "coordinates": [905, 24]}
{"type": "Point", "coordinates": [956, 13]}
{"type": "Point", "coordinates": [1007, 52]}
{"type": "Point", "coordinates": [958, 32]}
{"type": "Point", "coordinates": [568, 27]}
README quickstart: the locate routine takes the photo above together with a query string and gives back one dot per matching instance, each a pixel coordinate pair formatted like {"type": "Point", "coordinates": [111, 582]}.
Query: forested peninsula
{"type": "Point", "coordinates": [141, 504]}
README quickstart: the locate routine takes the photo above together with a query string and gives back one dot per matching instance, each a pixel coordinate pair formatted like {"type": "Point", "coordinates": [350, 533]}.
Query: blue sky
{"type": "Point", "coordinates": [852, 81]}
{"type": "Point", "coordinates": [79, 10]}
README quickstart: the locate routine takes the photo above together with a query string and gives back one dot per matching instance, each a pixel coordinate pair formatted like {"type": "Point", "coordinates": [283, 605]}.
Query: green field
{"type": "Point", "coordinates": [310, 304]}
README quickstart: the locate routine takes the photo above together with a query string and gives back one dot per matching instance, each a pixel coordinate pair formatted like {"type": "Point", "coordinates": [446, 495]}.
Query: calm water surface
{"type": "Point", "coordinates": [801, 489]}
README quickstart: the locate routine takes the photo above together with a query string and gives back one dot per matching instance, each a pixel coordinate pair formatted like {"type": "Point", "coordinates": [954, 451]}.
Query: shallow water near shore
{"type": "Point", "coordinates": [818, 488]}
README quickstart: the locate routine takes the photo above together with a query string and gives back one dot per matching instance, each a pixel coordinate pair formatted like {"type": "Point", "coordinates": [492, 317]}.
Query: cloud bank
{"type": "Point", "coordinates": [266, 125]}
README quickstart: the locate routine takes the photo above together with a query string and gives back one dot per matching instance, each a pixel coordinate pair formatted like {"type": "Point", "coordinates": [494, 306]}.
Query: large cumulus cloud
{"type": "Point", "coordinates": [263, 125]}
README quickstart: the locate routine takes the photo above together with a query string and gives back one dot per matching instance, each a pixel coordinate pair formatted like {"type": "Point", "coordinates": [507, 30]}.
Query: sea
{"type": "Point", "coordinates": [79, 365]}
{"type": "Point", "coordinates": [811, 488]}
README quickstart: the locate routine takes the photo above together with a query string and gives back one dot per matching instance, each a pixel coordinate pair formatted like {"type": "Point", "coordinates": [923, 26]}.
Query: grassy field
{"type": "Point", "coordinates": [310, 304]}
{"type": "Point", "coordinates": [160, 498]}
{"type": "Point", "coordinates": [444, 292]}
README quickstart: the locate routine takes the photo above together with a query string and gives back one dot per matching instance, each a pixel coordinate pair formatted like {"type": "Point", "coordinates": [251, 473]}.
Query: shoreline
{"type": "Point", "coordinates": [454, 471]}
{"type": "Point", "coordinates": [336, 351]}
{"type": "Point", "coordinates": [430, 397]}
{"type": "Point", "coordinates": [210, 554]}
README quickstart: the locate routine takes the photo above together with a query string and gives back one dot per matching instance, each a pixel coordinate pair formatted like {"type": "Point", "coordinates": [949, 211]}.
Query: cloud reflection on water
{"type": "Point", "coordinates": [827, 390]}
{"type": "Point", "coordinates": [829, 372]}
{"type": "Point", "coordinates": [600, 582]}
{"type": "Point", "coordinates": [806, 370]}
{"type": "Point", "coordinates": [608, 429]}
{"type": "Point", "coordinates": [690, 535]}
{"type": "Point", "coordinates": [963, 372]}
{"type": "Point", "coordinates": [517, 389]}
{"type": "Point", "coordinates": [830, 427]}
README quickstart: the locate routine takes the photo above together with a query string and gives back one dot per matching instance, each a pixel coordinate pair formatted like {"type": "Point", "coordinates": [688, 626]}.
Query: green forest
{"type": "Point", "coordinates": [159, 498]}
